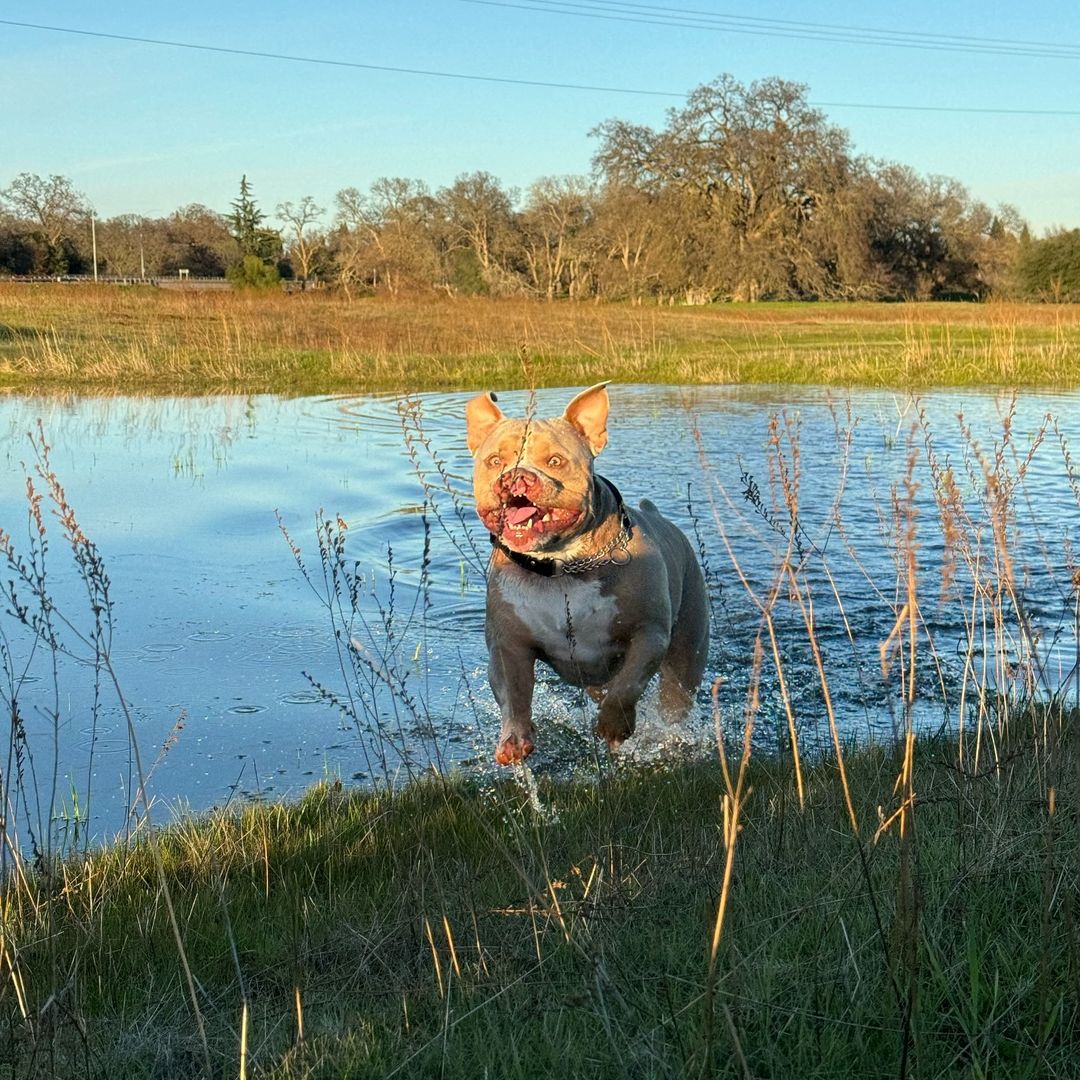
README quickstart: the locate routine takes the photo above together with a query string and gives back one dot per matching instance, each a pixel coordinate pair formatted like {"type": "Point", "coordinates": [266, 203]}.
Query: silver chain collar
{"type": "Point", "coordinates": [615, 551]}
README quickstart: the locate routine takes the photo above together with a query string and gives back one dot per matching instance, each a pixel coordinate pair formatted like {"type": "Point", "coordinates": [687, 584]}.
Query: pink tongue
{"type": "Point", "coordinates": [517, 514]}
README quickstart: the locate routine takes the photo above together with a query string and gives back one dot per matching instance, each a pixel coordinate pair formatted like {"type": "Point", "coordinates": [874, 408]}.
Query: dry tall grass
{"type": "Point", "coordinates": [1013, 682]}
{"type": "Point", "coordinates": [176, 340]}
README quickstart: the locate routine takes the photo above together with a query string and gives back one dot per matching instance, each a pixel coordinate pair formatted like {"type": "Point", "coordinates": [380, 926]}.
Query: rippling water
{"type": "Point", "coordinates": [216, 629]}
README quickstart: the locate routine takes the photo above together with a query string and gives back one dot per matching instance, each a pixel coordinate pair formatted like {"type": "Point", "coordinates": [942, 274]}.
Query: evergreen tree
{"type": "Point", "coordinates": [245, 220]}
{"type": "Point", "coordinates": [253, 273]}
{"type": "Point", "coordinates": [260, 248]}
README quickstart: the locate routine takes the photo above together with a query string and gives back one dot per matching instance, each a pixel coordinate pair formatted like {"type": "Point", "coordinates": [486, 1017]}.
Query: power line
{"type": "Point", "coordinates": [974, 109]}
{"type": "Point", "coordinates": [505, 80]}
{"type": "Point", "coordinates": [653, 15]}
{"type": "Point", "coordinates": [750, 20]}
{"type": "Point", "coordinates": [339, 63]}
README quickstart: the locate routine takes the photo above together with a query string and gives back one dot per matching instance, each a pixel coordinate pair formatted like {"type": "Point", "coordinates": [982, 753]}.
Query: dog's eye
{"type": "Point", "coordinates": [555, 461]}
{"type": "Point", "coordinates": [494, 461]}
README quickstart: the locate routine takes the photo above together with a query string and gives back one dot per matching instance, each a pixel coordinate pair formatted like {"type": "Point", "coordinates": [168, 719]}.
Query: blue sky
{"type": "Point", "coordinates": [146, 128]}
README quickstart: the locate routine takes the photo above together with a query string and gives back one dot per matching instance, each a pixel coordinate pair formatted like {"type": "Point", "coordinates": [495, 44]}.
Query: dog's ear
{"type": "Point", "coordinates": [588, 413]}
{"type": "Point", "coordinates": [481, 415]}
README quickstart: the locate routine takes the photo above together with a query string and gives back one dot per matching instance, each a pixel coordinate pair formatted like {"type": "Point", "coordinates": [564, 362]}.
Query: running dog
{"type": "Point", "coordinates": [605, 594]}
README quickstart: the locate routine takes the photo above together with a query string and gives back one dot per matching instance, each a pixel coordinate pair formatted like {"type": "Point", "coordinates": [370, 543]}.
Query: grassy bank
{"type": "Point", "coordinates": [450, 930]}
{"type": "Point", "coordinates": [149, 340]}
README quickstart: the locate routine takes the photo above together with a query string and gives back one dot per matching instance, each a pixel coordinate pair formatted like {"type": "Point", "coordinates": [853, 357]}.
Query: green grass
{"type": "Point", "coordinates": [449, 930]}
{"type": "Point", "coordinates": [111, 339]}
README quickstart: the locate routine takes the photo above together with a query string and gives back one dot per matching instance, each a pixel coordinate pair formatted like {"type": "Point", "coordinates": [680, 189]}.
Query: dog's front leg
{"type": "Point", "coordinates": [618, 711]}
{"type": "Point", "coordinates": [511, 672]}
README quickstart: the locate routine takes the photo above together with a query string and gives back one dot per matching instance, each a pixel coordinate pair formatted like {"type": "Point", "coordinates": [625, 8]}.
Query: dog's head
{"type": "Point", "coordinates": [533, 479]}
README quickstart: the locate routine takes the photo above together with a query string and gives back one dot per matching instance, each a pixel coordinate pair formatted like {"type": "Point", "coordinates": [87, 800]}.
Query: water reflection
{"type": "Point", "coordinates": [214, 621]}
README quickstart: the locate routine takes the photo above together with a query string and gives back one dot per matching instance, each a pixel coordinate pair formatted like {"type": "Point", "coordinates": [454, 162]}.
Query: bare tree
{"type": "Point", "coordinates": [479, 215]}
{"type": "Point", "coordinates": [626, 233]}
{"type": "Point", "coordinates": [198, 239]}
{"type": "Point", "coordinates": [131, 245]}
{"type": "Point", "coordinates": [52, 206]}
{"type": "Point", "coordinates": [304, 244]}
{"type": "Point", "coordinates": [923, 234]}
{"type": "Point", "coordinates": [555, 222]}
{"type": "Point", "coordinates": [389, 235]}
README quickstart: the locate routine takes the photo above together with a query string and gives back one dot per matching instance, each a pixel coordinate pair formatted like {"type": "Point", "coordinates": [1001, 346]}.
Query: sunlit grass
{"type": "Point", "coordinates": [177, 341]}
{"type": "Point", "coordinates": [448, 930]}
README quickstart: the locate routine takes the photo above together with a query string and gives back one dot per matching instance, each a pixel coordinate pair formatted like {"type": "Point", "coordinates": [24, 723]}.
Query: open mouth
{"type": "Point", "coordinates": [522, 523]}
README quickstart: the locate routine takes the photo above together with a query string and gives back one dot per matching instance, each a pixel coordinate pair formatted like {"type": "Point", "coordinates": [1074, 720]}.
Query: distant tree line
{"type": "Point", "coordinates": [746, 193]}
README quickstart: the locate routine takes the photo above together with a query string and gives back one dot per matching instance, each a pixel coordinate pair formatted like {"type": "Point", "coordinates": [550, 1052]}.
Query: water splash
{"type": "Point", "coordinates": [528, 781]}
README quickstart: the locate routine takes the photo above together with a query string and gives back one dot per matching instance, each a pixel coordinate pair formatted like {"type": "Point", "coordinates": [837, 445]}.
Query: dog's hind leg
{"type": "Point", "coordinates": [684, 664]}
{"type": "Point", "coordinates": [618, 711]}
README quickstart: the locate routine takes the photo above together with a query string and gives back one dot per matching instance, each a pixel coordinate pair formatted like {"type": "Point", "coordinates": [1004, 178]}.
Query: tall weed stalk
{"type": "Point", "coordinates": [380, 692]}
{"type": "Point", "coordinates": [50, 637]}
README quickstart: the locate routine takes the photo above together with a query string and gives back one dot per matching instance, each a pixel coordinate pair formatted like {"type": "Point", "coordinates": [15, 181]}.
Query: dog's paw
{"type": "Point", "coordinates": [514, 748]}
{"type": "Point", "coordinates": [615, 725]}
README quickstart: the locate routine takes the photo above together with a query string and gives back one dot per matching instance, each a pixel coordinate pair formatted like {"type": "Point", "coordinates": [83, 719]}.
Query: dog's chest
{"type": "Point", "coordinates": [572, 622]}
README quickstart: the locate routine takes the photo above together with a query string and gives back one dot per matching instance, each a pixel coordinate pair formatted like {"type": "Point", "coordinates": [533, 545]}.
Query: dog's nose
{"type": "Point", "coordinates": [517, 482]}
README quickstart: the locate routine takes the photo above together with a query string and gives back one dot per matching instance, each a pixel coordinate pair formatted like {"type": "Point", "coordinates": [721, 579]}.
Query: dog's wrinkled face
{"type": "Point", "coordinates": [532, 482]}
{"type": "Point", "coordinates": [533, 478]}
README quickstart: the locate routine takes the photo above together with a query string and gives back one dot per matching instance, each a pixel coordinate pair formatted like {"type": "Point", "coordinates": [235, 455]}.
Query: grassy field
{"type": "Point", "coordinates": [455, 931]}
{"type": "Point", "coordinates": [155, 340]}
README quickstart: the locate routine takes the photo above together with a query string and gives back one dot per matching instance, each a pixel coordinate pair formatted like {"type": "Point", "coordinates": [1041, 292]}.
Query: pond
{"type": "Point", "coordinates": [244, 678]}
